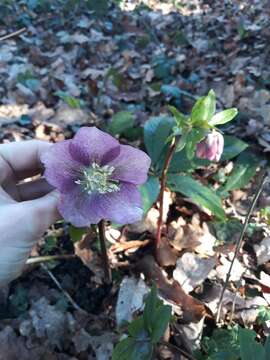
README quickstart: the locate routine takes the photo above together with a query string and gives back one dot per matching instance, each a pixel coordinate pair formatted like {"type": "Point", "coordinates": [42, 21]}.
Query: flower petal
{"type": "Point", "coordinates": [131, 165]}
{"type": "Point", "coordinates": [61, 170]}
{"type": "Point", "coordinates": [123, 206]}
{"type": "Point", "coordinates": [79, 208]}
{"type": "Point", "coordinates": [93, 145]}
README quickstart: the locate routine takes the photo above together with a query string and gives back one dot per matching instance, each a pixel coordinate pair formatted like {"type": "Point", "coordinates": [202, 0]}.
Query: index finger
{"type": "Point", "coordinates": [24, 157]}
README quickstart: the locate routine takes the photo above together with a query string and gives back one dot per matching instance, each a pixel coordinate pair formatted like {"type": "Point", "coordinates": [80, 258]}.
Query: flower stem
{"type": "Point", "coordinates": [162, 189]}
{"type": "Point", "coordinates": [104, 254]}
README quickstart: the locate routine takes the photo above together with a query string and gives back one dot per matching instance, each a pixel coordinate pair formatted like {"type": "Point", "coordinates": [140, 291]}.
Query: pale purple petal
{"type": "Point", "coordinates": [131, 165]}
{"type": "Point", "coordinates": [61, 170]}
{"type": "Point", "coordinates": [65, 163]}
{"type": "Point", "coordinates": [93, 145]}
{"type": "Point", "coordinates": [201, 150]}
{"type": "Point", "coordinates": [122, 207]}
{"type": "Point", "coordinates": [79, 208]}
{"type": "Point", "coordinates": [220, 145]}
{"type": "Point", "coordinates": [211, 147]}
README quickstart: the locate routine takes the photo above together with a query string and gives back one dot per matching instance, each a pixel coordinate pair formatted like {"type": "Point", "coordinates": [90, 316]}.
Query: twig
{"type": "Point", "coordinates": [57, 283]}
{"type": "Point", "coordinates": [234, 299]}
{"type": "Point", "coordinates": [15, 33]}
{"type": "Point", "coordinates": [118, 247]}
{"type": "Point", "coordinates": [121, 264]}
{"type": "Point", "coordinates": [104, 254]}
{"type": "Point", "coordinates": [239, 242]}
{"type": "Point", "coordinates": [162, 189]}
{"type": "Point", "coordinates": [176, 348]}
{"type": "Point", "coordinates": [42, 259]}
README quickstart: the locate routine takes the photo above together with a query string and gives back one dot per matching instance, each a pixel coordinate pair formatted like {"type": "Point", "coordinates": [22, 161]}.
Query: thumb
{"type": "Point", "coordinates": [44, 211]}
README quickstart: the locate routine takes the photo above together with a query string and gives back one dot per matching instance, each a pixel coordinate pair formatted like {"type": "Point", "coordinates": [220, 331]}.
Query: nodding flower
{"type": "Point", "coordinates": [211, 147]}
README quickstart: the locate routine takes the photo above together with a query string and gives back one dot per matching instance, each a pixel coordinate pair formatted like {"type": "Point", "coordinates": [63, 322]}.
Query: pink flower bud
{"type": "Point", "coordinates": [211, 147]}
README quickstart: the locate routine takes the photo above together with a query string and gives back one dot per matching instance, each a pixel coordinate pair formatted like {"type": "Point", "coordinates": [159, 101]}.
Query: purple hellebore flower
{"type": "Point", "coordinates": [211, 147]}
{"type": "Point", "coordinates": [97, 178]}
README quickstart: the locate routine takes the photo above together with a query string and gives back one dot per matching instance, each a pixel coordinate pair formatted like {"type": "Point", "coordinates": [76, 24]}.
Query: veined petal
{"type": "Point", "coordinates": [131, 165]}
{"type": "Point", "coordinates": [79, 208]}
{"type": "Point", "coordinates": [61, 170]}
{"type": "Point", "coordinates": [123, 206]}
{"type": "Point", "coordinates": [93, 145]}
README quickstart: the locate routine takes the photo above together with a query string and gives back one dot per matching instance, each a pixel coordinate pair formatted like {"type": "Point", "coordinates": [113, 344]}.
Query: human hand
{"type": "Point", "coordinates": [26, 209]}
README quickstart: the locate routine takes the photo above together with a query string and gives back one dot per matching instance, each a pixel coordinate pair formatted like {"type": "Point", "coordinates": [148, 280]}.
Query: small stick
{"type": "Point", "coordinates": [239, 242]}
{"type": "Point", "coordinates": [57, 283]}
{"type": "Point", "coordinates": [234, 299]}
{"type": "Point", "coordinates": [42, 259]}
{"type": "Point", "coordinates": [118, 247]}
{"type": "Point", "coordinates": [104, 254]}
{"type": "Point", "coordinates": [15, 33]}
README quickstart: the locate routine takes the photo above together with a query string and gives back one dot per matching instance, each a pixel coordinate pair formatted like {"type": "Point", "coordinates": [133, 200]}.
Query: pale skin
{"type": "Point", "coordinates": [27, 209]}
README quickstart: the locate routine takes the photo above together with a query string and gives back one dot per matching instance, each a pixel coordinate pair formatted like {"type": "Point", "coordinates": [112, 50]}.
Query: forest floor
{"type": "Point", "coordinates": [73, 67]}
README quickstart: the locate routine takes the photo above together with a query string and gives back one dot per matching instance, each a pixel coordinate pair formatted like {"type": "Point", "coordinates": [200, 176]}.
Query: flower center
{"type": "Point", "coordinates": [97, 179]}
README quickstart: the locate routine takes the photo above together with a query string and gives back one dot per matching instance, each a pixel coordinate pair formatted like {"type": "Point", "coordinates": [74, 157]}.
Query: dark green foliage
{"type": "Point", "coordinates": [234, 343]}
{"type": "Point", "coordinates": [149, 192]}
{"type": "Point", "coordinates": [145, 331]}
{"type": "Point", "coordinates": [200, 194]}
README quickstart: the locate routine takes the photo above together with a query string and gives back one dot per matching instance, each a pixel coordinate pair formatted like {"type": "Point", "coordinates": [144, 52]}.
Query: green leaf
{"type": "Point", "coordinates": [179, 117]}
{"type": "Point", "coordinates": [204, 109]}
{"type": "Point", "coordinates": [156, 315]}
{"type": "Point", "coordinates": [70, 100]}
{"type": "Point", "coordinates": [226, 231]}
{"type": "Point", "coordinates": [50, 243]}
{"type": "Point", "coordinates": [193, 138]}
{"type": "Point", "coordinates": [161, 321]}
{"type": "Point", "coordinates": [223, 345]}
{"type": "Point", "coordinates": [156, 132]}
{"type": "Point", "coordinates": [132, 349]}
{"type": "Point", "coordinates": [232, 147]}
{"type": "Point", "coordinates": [199, 193]}
{"type": "Point", "coordinates": [223, 117]}
{"type": "Point", "coordinates": [121, 121]}
{"type": "Point", "coordinates": [18, 301]}
{"type": "Point", "coordinates": [136, 327]}
{"type": "Point", "coordinates": [183, 140]}
{"type": "Point", "coordinates": [76, 234]}
{"type": "Point", "coordinates": [267, 347]}
{"type": "Point", "coordinates": [149, 309]}
{"type": "Point", "coordinates": [250, 349]}
{"type": "Point", "coordinates": [149, 192]}
{"type": "Point", "coordinates": [180, 163]}
{"type": "Point", "coordinates": [263, 314]}
{"type": "Point", "coordinates": [133, 134]}
{"type": "Point", "coordinates": [243, 171]}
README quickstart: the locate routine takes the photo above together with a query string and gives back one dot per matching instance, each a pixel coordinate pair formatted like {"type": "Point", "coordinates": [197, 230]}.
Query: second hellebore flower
{"type": "Point", "coordinates": [97, 178]}
{"type": "Point", "coordinates": [211, 147]}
